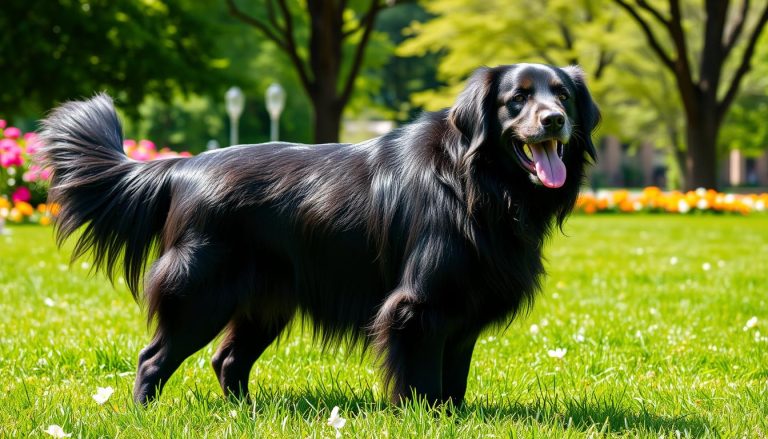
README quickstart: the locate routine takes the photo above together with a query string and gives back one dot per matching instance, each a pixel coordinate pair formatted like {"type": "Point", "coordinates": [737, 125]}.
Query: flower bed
{"type": "Point", "coordinates": [653, 199]}
{"type": "Point", "coordinates": [24, 184]}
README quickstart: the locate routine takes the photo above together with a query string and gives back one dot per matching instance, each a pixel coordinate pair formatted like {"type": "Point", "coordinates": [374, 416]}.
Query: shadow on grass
{"type": "Point", "coordinates": [605, 414]}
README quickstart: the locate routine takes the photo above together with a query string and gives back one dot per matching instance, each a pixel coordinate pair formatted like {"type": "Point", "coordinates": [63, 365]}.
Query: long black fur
{"type": "Point", "coordinates": [413, 242]}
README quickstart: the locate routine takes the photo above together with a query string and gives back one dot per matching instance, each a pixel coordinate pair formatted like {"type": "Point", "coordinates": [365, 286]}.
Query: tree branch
{"type": "Point", "coordinates": [287, 44]}
{"type": "Point", "coordinates": [675, 28]}
{"type": "Point", "coordinates": [362, 23]}
{"type": "Point", "coordinates": [731, 39]}
{"type": "Point", "coordinates": [272, 17]}
{"type": "Point", "coordinates": [656, 14]}
{"type": "Point", "coordinates": [357, 62]}
{"type": "Point", "coordinates": [291, 49]}
{"type": "Point", "coordinates": [252, 21]}
{"type": "Point", "coordinates": [649, 35]}
{"type": "Point", "coordinates": [744, 66]}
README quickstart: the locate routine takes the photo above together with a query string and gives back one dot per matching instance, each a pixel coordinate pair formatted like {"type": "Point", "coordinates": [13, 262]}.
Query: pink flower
{"type": "Point", "coordinates": [140, 154]}
{"type": "Point", "coordinates": [10, 153]}
{"type": "Point", "coordinates": [7, 145]}
{"type": "Point", "coordinates": [21, 194]}
{"type": "Point", "coordinates": [45, 174]}
{"type": "Point", "coordinates": [12, 133]}
{"type": "Point", "coordinates": [33, 143]}
{"type": "Point", "coordinates": [148, 144]}
{"type": "Point", "coordinates": [2, 124]}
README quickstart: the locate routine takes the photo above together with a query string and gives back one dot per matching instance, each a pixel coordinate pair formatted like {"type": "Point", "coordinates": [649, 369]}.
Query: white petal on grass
{"type": "Point", "coordinates": [103, 394]}
{"type": "Point", "coordinates": [56, 431]}
{"type": "Point", "coordinates": [534, 329]}
{"type": "Point", "coordinates": [673, 260]}
{"type": "Point", "coordinates": [751, 323]}
{"type": "Point", "coordinates": [85, 265]}
{"type": "Point", "coordinates": [49, 302]}
{"type": "Point", "coordinates": [706, 266]}
{"type": "Point", "coordinates": [336, 421]}
{"type": "Point", "coordinates": [558, 353]}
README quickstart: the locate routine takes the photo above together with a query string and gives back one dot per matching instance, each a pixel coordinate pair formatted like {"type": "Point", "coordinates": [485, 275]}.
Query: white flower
{"type": "Point", "coordinates": [103, 394]}
{"type": "Point", "coordinates": [56, 431]}
{"type": "Point", "coordinates": [751, 323]}
{"type": "Point", "coordinates": [579, 338]}
{"type": "Point", "coordinates": [233, 413]}
{"type": "Point", "coordinates": [673, 260]}
{"type": "Point", "coordinates": [558, 353]}
{"type": "Point", "coordinates": [702, 204]}
{"type": "Point", "coordinates": [683, 207]}
{"type": "Point", "coordinates": [706, 266]}
{"type": "Point", "coordinates": [85, 265]}
{"type": "Point", "coordinates": [49, 302]}
{"type": "Point", "coordinates": [336, 421]}
{"type": "Point", "coordinates": [534, 329]}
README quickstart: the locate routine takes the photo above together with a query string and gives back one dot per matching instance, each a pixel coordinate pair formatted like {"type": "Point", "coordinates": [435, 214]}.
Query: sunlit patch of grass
{"type": "Point", "coordinates": [650, 314]}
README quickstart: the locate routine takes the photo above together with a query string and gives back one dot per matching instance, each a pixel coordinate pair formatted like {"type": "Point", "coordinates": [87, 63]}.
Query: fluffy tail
{"type": "Point", "coordinates": [122, 203]}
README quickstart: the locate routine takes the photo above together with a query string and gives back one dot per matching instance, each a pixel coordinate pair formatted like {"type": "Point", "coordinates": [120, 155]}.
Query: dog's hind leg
{"type": "Point", "coordinates": [245, 341]}
{"type": "Point", "coordinates": [184, 296]}
{"type": "Point", "coordinates": [412, 346]}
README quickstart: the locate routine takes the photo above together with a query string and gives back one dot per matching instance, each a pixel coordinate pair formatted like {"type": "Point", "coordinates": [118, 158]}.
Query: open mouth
{"type": "Point", "coordinates": [543, 160]}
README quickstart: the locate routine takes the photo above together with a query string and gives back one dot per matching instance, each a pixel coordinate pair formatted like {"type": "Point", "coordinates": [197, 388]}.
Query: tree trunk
{"type": "Point", "coordinates": [326, 120]}
{"type": "Point", "coordinates": [701, 157]}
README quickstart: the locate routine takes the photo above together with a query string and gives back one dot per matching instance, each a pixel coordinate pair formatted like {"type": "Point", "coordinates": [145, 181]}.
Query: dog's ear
{"type": "Point", "coordinates": [588, 113]}
{"type": "Point", "coordinates": [469, 113]}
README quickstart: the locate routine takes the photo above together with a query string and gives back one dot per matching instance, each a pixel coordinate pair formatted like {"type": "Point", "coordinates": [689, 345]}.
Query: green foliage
{"type": "Point", "coordinates": [58, 50]}
{"type": "Point", "coordinates": [639, 97]}
{"type": "Point", "coordinates": [745, 125]}
{"type": "Point", "coordinates": [403, 76]}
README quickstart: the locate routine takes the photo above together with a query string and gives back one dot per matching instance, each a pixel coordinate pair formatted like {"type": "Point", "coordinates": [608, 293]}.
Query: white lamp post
{"type": "Point", "coordinates": [235, 103]}
{"type": "Point", "coordinates": [275, 99]}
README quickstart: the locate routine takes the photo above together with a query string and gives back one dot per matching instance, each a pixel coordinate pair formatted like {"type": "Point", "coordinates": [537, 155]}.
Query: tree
{"type": "Point", "coordinates": [52, 51]}
{"type": "Point", "coordinates": [470, 34]}
{"type": "Point", "coordinates": [705, 92]}
{"type": "Point", "coordinates": [334, 27]}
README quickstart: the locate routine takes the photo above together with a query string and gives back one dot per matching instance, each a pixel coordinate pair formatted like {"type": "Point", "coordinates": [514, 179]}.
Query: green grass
{"type": "Point", "coordinates": [663, 353]}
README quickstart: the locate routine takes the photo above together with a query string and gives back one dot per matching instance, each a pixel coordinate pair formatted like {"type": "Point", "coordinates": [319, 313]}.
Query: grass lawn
{"type": "Point", "coordinates": [651, 309]}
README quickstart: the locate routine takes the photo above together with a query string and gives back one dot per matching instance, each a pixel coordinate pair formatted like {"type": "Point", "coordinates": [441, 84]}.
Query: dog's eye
{"type": "Point", "coordinates": [563, 96]}
{"type": "Point", "coordinates": [520, 97]}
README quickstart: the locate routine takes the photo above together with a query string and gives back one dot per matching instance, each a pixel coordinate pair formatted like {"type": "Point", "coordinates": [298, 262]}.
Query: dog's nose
{"type": "Point", "coordinates": [553, 120]}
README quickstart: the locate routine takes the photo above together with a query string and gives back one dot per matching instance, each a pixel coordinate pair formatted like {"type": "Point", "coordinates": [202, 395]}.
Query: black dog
{"type": "Point", "coordinates": [413, 242]}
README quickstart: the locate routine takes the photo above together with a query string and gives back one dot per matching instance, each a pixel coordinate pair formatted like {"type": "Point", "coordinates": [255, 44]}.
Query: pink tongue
{"type": "Point", "coordinates": [549, 168]}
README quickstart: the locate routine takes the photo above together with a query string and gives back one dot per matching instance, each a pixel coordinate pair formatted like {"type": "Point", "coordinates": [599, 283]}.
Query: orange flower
{"type": "Point", "coordinates": [53, 209]}
{"type": "Point", "coordinates": [45, 220]}
{"type": "Point", "coordinates": [24, 208]}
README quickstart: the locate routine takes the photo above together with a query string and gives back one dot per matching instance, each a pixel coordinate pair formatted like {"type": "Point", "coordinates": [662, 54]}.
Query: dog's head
{"type": "Point", "coordinates": [537, 117]}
